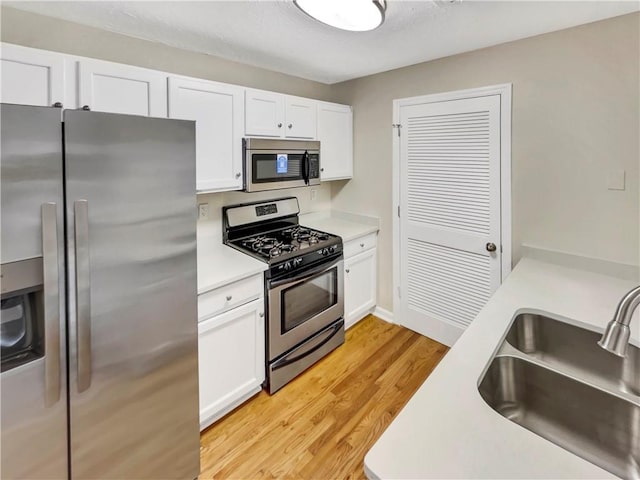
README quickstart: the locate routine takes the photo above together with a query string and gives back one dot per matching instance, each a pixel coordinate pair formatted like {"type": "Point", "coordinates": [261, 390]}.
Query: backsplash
{"type": "Point", "coordinates": [210, 230]}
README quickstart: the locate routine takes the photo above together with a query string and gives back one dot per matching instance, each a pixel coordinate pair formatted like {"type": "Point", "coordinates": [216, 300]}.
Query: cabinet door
{"type": "Point", "coordinates": [231, 359]}
{"type": "Point", "coordinates": [218, 111]}
{"type": "Point", "coordinates": [300, 117]}
{"type": "Point", "coordinates": [335, 132]}
{"type": "Point", "coordinates": [264, 113]}
{"type": "Point", "coordinates": [31, 77]}
{"type": "Point", "coordinates": [116, 88]}
{"type": "Point", "coordinates": [359, 286]}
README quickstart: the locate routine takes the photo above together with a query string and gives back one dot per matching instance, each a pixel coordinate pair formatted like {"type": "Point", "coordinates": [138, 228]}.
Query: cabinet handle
{"type": "Point", "coordinates": [290, 125]}
{"type": "Point", "coordinates": [362, 245]}
{"type": "Point", "coordinates": [280, 125]}
{"type": "Point", "coordinates": [347, 270]}
{"type": "Point", "coordinates": [322, 169]}
{"type": "Point", "coordinates": [86, 108]}
{"type": "Point", "coordinates": [261, 314]}
{"type": "Point", "coordinates": [58, 105]}
{"type": "Point", "coordinates": [238, 175]}
{"type": "Point", "coordinates": [229, 297]}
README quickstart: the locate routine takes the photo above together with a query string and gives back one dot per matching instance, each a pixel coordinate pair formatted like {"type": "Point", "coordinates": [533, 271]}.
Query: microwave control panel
{"type": "Point", "coordinates": [314, 165]}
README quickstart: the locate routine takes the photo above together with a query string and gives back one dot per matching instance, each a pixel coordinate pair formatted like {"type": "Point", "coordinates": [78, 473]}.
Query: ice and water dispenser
{"type": "Point", "coordinates": [21, 314]}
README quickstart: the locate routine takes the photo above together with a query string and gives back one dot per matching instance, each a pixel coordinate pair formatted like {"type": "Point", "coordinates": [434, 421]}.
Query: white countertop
{"type": "Point", "coordinates": [220, 265]}
{"type": "Point", "coordinates": [347, 226]}
{"type": "Point", "coordinates": [448, 431]}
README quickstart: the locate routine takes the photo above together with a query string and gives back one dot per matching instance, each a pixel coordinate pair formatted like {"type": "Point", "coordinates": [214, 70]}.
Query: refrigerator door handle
{"type": "Point", "coordinates": [51, 300]}
{"type": "Point", "coordinates": [83, 294]}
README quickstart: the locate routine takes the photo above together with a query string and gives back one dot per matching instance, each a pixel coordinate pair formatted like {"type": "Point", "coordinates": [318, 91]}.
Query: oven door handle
{"type": "Point", "coordinates": [307, 275]}
{"type": "Point", "coordinates": [330, 332]}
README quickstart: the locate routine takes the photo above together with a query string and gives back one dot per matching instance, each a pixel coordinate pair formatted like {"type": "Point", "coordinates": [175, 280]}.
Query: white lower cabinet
{"type": "Point", "coordinates": [359, 286]}
{"type": "Point", "coordinates": [230, 359]}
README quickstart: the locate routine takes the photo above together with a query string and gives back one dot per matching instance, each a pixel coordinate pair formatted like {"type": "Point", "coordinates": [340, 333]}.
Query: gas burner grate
{"type": "Point", "coordinates": [303, 234]}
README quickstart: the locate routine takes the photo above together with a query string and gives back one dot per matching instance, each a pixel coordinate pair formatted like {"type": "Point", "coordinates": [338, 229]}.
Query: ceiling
{"type": "Point", "coordinates": [276, 35]}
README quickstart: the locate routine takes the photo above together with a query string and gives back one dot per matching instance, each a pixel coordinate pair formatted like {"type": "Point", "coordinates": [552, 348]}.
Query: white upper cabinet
{"type": "Point", "coordinates": [115, 88]}
{"type": "Point", "coordinates": [218, 110]}
{"type": "Point", "coordinates": [269, 114]}
{"type": "Point", "coordinates": [300, 117]}
{"type": "Point", "coordinates": [335, 132]}
{"type": "Point", "coordinates": [264, 113]}
{"type": "Point", "coordinates": [31, 77]}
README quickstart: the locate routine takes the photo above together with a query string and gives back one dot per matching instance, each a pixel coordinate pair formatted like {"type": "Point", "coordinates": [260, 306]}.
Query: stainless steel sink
{"type": "Point", "coordinates": [596, 425]}
{"type": "Point", "coordinates": [574, 350]}
{"type": "Point", "coordinates": [553, 379]}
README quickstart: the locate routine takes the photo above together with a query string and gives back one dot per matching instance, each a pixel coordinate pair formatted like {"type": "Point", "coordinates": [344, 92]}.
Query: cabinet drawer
{"type": "Point", "coordinates": [360, 244]}
{"type": "Point", "coordinates": [229, 296]}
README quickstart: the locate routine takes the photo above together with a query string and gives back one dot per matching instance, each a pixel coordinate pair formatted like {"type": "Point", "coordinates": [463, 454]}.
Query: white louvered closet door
{"type": "Point", "coordinates": [450, 213]}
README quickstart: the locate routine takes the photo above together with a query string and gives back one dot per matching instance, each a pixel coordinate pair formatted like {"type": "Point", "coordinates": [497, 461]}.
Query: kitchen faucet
{"type": "Point", "coordinates": [615, 338]}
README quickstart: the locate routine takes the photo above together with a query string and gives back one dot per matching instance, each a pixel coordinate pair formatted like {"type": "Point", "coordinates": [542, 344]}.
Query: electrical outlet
{"type": "Point", "coordinates": [313, 194]}
{"type": "Point", "coordinates": [203, 211]}
{"type": "Point", "coordinates": [615, 180]}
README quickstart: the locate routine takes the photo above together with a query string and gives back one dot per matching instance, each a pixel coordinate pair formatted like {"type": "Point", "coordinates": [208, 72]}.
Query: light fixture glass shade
{"type": "Point", "coordinates": [353, 15]}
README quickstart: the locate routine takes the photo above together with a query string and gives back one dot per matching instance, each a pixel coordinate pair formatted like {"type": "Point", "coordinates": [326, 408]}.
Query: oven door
{"type": "Point", "coordinates": [268, 170]}
{"type": "Point", "coordinates": [301, 306]}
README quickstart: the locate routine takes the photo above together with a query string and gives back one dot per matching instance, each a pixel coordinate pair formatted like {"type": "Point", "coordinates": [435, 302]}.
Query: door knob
{"type": "Point", "coordinates": [491, 247]}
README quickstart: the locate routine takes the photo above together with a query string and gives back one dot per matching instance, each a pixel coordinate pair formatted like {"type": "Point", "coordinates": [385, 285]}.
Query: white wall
{"type": "Point", "coordinates": [210, 230]}
{"type": "Point", "coordinates": [575, 117]}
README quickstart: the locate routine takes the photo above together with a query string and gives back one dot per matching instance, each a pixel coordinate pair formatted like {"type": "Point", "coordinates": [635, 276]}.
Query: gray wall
{"type": "Point", "coordinates": [38, 31]}
{"type": "Point", "coordinates": [575, 117]}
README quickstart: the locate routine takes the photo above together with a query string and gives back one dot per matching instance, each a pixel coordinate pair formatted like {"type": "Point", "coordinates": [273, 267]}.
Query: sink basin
{"type": "Point", "coordinates": [597, 425]}
{"type": "Point", "coordinates": [574, 350]}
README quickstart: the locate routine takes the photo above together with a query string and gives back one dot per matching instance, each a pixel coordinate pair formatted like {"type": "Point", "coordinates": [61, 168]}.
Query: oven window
{"type": "Point", "coordinates": [307, 299]}
{"type": "Point", "coordinates": [266, 169]}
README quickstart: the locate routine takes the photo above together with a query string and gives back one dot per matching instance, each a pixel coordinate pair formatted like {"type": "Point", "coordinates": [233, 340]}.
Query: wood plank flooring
{"type": "Point", "coordinates": [322, 424]}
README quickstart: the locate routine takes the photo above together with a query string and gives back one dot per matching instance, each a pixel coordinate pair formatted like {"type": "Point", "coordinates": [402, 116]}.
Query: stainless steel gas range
{"type": "Point", "coordinates": [304, 284]}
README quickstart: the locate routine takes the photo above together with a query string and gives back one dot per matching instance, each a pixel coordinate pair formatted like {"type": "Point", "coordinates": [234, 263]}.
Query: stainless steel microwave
{"type": "Point", "coordinates": [271, 164]}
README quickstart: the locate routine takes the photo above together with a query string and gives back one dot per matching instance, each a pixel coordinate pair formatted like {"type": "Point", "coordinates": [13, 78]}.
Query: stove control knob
{"type": "Point", "coordinates": [333, 249]}
{"type": "Point", "coordinates": [297, 262]}
{"type": "Point", "coordinates": [287, 266]}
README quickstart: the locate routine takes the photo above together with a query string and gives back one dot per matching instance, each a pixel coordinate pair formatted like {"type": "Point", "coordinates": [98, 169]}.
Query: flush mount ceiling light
{"type": "Point", "coordinates": [352, 15]}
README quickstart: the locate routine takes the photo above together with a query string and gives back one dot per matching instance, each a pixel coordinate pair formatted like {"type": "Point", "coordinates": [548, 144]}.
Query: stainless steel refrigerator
{"type": "Point", "coordinates": [99, 309]}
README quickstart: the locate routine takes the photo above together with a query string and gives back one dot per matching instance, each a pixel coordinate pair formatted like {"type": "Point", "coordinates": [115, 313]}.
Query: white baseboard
{"type": "Point", "coordinates": [384, 314]}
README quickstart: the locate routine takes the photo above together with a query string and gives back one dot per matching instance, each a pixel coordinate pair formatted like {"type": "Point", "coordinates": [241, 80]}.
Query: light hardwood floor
{"type": "Point", "coordinates": [322, 424]}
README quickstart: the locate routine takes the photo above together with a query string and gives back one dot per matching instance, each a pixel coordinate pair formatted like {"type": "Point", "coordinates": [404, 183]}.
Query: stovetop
{"type": "Point", "coordinates": [290, 242]}
{"type": "Point", "coordinates": [269, 231]}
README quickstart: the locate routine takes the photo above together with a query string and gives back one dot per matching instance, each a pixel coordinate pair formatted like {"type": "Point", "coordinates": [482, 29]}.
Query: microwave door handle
{"type": "Point", "coordinates": [305, 167]}
{"type": "Point", "coordinates": [51, 297]}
